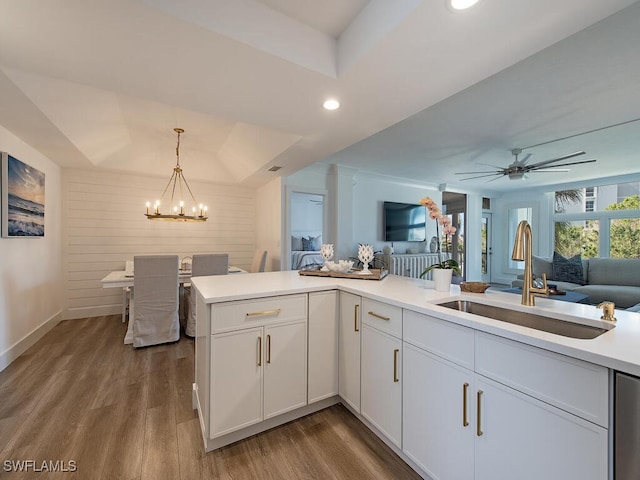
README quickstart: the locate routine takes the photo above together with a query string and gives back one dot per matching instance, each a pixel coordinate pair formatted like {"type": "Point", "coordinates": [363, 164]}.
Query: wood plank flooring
{"type": "Point", "coordinates": [80, 395]}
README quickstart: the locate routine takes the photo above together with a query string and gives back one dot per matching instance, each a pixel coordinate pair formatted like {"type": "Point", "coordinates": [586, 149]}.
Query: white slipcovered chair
{"type": "Point", "coordinates": [259, 261]}
{"type": "Point", "coordinates": [202, 265]}
{"type": "Point", "coordinates": [155, 297]}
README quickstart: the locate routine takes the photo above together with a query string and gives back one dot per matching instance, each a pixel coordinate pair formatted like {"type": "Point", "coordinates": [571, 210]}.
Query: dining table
{"type": "Point", "coordinates": [124, 279]}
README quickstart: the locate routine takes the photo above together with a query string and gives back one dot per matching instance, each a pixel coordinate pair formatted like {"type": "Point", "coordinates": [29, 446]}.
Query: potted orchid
{"type": "Point", "coordinates": [448, 230]}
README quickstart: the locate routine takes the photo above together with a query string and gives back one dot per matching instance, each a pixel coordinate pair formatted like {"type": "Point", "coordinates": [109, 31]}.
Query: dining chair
{"type": "Point", "coordinates": [155, 299]}
{"type": "Point", "coordinates": [259, 261]}
{"type": "Point", "coordinates": [202, 265]}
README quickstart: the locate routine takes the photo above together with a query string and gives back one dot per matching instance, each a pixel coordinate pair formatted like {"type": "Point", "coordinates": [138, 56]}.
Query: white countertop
{"type": "Point", "coordinates": [618, 348]}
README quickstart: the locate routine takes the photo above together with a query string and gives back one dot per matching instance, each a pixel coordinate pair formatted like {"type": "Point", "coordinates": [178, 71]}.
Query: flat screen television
{"type": "Point", "coordinates": [404, 222]}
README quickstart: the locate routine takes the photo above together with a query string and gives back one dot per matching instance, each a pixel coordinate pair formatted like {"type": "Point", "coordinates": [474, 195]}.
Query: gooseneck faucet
{"type": "Point", "coordinates": [522, 251]}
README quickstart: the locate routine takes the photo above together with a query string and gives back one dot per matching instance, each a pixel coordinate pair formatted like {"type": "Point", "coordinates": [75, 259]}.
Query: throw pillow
{"type": "Point", "coordinates": [316, 242]}
{"type": "Point", "coordinates": [567, 269]}
{"type": "Point", "coordinates": [296, 243]}
{"type": "Point", "coordinates": [307, 244]}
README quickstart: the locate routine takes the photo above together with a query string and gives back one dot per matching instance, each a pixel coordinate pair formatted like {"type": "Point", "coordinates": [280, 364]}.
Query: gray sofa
{"type": "Point", "coordinates": [605, 279]}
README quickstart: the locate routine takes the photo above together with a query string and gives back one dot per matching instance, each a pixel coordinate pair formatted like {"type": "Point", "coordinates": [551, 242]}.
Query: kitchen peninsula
{"type": "Point", "coordinates": [456, 395]}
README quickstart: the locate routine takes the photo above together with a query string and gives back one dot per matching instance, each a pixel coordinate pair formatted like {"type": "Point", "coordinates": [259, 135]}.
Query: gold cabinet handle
{"type": "Point", "coordinates": [395, 366]}
{"type": "Point", "coordinates": [275, 311]}
{"type": "Point", "coordinates": [465, 420]}
{"type": "Point", "coordinates": [268, 348]}
{"type": "Point", "coordinates": [377, 315]}
{"type": "Point", "coordinates": [479, 415]}
{"type": "Point", "coordinates": [259, 351]}
{"type": "Point", "coordinates": [355, 318]}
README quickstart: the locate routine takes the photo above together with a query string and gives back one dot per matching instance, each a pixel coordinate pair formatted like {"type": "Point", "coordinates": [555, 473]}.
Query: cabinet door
{"type": "Point", "coordinates": [438, 415]}
{"type": "Point", "coordinates": [285, 368]}
{"type": "Point", "coordinates": [236, 380]}
{"type": "Point", "coordinates": [323, 345]}
{"type": "Point", "coordinates": [381, 382]}
{"type": "Point", "coordinates": [527, 439]}
{"type": "Point", "coordinates": [349, 349]}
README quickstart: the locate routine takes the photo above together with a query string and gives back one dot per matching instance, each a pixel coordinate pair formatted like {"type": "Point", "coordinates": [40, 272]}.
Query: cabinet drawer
{"type": "Point", "coordinates": [445, 339]}
{"type": "Point", "coordinates": [573, 385]}
{"type": "Point", "coordinates": [264, 311]}
{"type": "Point", "coordinates": [382, 316]}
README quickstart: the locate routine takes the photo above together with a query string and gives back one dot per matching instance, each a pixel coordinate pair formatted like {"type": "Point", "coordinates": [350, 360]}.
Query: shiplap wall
{"type": "Point", "coordinates": [104, 225]}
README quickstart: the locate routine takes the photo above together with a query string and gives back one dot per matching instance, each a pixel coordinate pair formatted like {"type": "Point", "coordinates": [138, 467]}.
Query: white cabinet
{"type": "Point", "coordinates": [531, 414]}
{"type": "Point", "coordinates": [349, 350]}
{"type": "Point", "coordinates": [439, 415]}
{"type": "Point", "coordinates": [381, 371]}
{"type": "Point", "coordinates": [527, 439]}
{"type": "Point", "coordinates": [259, 369]}
{"type": "Point", "coordinates": [285, 368]}
{"type": "Point", "coordinates": [236, 380]}
{"type": "Point", "coordinates": [323, 345]}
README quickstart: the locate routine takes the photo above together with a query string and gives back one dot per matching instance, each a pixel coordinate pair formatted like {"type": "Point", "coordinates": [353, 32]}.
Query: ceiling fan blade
{"type": "Point", "coordinates": [534, 167]}
{"type": "Point", "coordinates": [564, 157]}
{"type": "Point", "coordinates": [543, 170]}
{"type": "Point", "coordinates": [495, 172]}
{"type": "Point", "coordinates": [493, 166]}
{"type": "Point", "coordinates": [498, 175]}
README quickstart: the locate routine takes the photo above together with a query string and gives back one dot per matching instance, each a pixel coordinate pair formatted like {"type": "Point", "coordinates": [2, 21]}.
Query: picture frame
{"type": "Point", "coordinates": [23, 199]}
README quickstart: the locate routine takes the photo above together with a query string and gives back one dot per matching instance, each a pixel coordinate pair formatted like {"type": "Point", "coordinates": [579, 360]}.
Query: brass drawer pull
{"type": "Point", "coordinates": [268, 348]}
{"type": "Point", "coordinates": [259, 351]}
{"type": "Point", "coordinates": [275, 311]}
{"type": "Point", "coordinates": [355, 318]}
{"type": "Point", "coordinates": [377, 315]}
{"type": "Point", "coordinates": [395, 366]}
{"type": "Point", "coordinates": [479, 416]}
{"type": "Point", "coordinates": [465, 420]}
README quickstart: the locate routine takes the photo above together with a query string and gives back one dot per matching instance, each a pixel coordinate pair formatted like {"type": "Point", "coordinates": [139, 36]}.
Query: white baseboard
{"type": "Point", "coordinates": [87, 312]}
{"type": "Point", "coordinates": [21, 346]}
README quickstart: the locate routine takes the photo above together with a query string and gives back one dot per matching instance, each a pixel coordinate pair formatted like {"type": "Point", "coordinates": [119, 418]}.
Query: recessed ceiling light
{"type": "Point", "coordinates": [331, 104]}
{"type": "Point", "coordinates": [461, 4]}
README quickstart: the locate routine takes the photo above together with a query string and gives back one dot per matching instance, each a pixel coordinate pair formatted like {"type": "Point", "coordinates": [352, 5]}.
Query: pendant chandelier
{"type": "Point", "coordinates": [178, 183]}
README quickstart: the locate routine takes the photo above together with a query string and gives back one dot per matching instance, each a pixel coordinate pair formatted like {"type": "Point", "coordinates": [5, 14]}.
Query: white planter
{"type": "Point", "coordinates": [442, 278]}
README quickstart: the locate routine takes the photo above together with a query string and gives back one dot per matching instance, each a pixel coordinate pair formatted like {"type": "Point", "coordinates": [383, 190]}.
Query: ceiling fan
{"type": "Point", "coordinates": [519, 168]}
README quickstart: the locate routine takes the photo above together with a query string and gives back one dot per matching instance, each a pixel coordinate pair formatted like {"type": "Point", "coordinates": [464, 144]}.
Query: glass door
{"type": "Point", "coordinates": [485, 257]}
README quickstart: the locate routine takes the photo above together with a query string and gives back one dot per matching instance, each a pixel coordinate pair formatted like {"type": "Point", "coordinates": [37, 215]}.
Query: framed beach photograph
{"type": "Point", "coordinates": [22, 199]}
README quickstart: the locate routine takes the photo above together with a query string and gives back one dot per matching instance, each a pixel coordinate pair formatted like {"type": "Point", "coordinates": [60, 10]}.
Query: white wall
{"type": "Point", "coordinates": [370, 193]}
{"type": "Point", "coordinates": [104, 225]}
{"type": "Point", "coordinates": [31, 298]}
{"type": "Point", "coordinates": [269, 222]}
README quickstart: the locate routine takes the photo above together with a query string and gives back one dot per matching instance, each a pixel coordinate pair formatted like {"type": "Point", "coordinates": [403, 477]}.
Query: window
{"type": "Point", "coordinates": [607, 223]}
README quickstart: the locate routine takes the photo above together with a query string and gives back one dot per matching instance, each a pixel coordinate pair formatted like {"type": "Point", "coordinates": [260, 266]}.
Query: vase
{"type": "Point", "coordinates": [442, 278]}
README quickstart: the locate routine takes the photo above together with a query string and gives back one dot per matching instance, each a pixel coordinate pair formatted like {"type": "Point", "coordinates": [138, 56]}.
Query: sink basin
{"type": "Point", "coordinates": [531, 320]}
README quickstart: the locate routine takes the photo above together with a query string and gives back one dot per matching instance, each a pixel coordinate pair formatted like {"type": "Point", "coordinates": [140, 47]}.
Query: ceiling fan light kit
{"type": "Point", "coordinates": [519, 169]}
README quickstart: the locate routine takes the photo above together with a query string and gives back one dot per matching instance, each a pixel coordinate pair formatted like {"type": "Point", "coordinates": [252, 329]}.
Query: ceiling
{"type": "Point", "coordinates": [425, 92]}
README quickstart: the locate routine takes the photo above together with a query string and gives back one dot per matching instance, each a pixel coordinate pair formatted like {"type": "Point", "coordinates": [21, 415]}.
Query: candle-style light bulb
{"type": "Point", "coordinates": [205, 210]}
{"type": "Point", "coordinates": [157, 207]}
{"type": "Point", "coordinates": [148, 205]}
{"type": "Point", "coordinates": [181, 207]}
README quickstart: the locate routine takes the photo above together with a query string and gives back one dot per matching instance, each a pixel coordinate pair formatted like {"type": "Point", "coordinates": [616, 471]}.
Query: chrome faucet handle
{"type": "Point", "coordinates": [607, 311]}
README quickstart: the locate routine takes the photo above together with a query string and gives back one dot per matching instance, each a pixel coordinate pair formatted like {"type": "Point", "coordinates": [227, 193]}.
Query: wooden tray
{"type": "Point", "coordinates": [376, 274]}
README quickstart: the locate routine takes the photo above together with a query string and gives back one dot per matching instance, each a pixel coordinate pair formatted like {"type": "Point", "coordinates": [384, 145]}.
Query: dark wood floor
{"type": "Point", "coordinates": [80, 395]}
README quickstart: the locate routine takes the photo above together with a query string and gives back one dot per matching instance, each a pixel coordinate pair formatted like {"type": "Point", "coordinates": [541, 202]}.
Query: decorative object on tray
{"type": "Point", "coordinates": [388, 249]}
{"type": "Point", "coordinates": [326, 250]}
{"type": "Point", "coordinates": [365, 254]}
{"type": "Point", "coordinates": [374, 273]}
{"type": "Point", "coordinates": [342, 266]}
{"type": "Point", "coordinates": [433, 245]}
{"type": "Point", "coordinates": [474, 287]}
{"type": "Point", "coordinates": [443, 270]}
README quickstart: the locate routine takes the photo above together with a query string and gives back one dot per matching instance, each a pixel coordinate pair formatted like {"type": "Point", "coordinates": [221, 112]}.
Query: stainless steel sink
{"type": "Point", "coordinates": [525, 319]}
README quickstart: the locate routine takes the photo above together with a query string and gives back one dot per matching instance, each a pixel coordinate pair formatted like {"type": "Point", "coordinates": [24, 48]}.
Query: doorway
{"type": "Point", "coordinates": [485, 257]}
{"type": "Point", "coordinates": [454, 205]}
{"type": "Point", "coordinates": [306, 221]}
